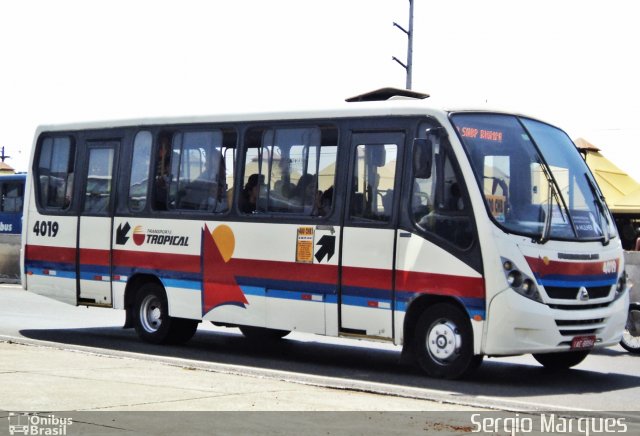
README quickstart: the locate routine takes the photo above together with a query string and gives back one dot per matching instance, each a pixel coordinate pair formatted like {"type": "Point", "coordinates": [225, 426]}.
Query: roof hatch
{"type": "Point", "coordinates": [387, 94]}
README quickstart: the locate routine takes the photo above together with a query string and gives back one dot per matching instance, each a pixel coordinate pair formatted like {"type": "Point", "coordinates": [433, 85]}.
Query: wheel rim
{"type": "Point", "coordinates": [443, 341]}
{"type": "Point", "coordinates": [631, 341]}
{"type": "Point", "coordinates": [631, 334]}
{"type": "Point", "coordinates": [151, 313]}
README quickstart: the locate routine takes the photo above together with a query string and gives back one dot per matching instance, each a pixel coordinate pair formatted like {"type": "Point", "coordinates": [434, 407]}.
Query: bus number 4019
{"type": "Point", "coordinates": [46, 228]}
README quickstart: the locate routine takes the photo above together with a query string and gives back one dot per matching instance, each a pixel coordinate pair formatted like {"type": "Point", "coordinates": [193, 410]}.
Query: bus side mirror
{"type": "Point", "coordinates": [422, 158]}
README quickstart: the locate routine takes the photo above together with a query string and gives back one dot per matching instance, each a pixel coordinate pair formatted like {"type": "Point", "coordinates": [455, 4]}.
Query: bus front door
{"type": "Point", "coordinates": [95, 224]}
{"type": "Point", "coordinates": [366, 292]}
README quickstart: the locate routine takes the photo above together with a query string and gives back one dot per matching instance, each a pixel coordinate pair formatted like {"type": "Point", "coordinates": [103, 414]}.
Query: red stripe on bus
{"type": "Point", "coordinates": [366, 277]}
{"type": "Point", "coordinates": [161, 261]}
{"type": "Point", "coordinates": [276, 270]}
{"type": "Point", "coordinates": [543, 267]}
{"type": "Point", "coordinates": [441, 284]}
{"type": "Point", "coordinates": [44, 253]}
{"type": "Point", "coordinates": [91, 256]}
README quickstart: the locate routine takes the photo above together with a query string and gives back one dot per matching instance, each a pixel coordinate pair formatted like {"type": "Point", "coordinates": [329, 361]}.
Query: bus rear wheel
{"type": "Point", "coordinates": [561, 361]}
{"type": "Point", "coordinates": [444, 342]}
{"type": "Point", "coordinates": [152, 321]}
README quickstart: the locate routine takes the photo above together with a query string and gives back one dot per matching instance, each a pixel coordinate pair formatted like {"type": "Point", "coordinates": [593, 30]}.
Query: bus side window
{"type": "Point", "coordinates": [198, 172]}
{"type": "Point", "coordinates": [229, 157]}
{"type": "Point", "coordinates": [256, 164]}
{"type": "Point", "coordinates": [99, 181]}
{"type": "Point", "coordinates": [289, 171]}
{"type": "Point", "coordinates": [139, 177]}
{"type": "Point", "coordinates": [438, 202]}
{"type": "Point", "coordinates": [54, 173]}
{"type": "Point", "coordinates": [12, 197]}
{"type": "Point", "coordinates": [162, 172]}
{"type": "Point", "coordinates": [372, 188]}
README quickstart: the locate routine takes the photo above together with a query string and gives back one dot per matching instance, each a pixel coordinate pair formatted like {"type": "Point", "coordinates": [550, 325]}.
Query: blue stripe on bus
{"type": "Point", "coordinates": [94, 272]}
{"type": "Point", "coordinates": [90, 276]}
{"type": "Point", "coordinates": [287, 285]}
{"type": "Point", "coordinates": [353, 291]}
{"type": "Point", "coordinates": [287, 294]}
{"type": "Point", "coordinates": [58, 266]}
{"type": "Point", "coordinates": [280, 289]}
{"type": "Point", "coordinates": [162, 274]}
{"type": "Point", "coordinates": [572, 282]}
{"type": "Point", "coordinates": [55, 272]}
{"type": "Point", "coordinates": [474, 306]}
{"type": "Point", "coordinates": [184, 284]}
{"type": "Point", "coordinates": [364, 301]}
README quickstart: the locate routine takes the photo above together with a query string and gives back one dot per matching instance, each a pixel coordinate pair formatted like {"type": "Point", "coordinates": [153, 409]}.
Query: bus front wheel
{"type": "Point", "coordinates": [152, 321]}
{"type": "Point", "coordinates": [561, 361]}
{"type": "Point", "coordinates": [444, 342]}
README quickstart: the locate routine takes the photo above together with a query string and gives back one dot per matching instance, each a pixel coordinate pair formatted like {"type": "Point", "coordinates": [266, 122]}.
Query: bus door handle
{"type": "Point", "coordinates": [326, 227]}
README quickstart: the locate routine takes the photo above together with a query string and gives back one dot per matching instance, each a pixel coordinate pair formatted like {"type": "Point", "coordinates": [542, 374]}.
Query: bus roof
{"type": "Point", "coordinates": [394, 106]}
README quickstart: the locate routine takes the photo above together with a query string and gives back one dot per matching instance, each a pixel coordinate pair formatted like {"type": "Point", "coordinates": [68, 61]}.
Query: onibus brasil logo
{"type": "Point", "coordinates": [34, 424]}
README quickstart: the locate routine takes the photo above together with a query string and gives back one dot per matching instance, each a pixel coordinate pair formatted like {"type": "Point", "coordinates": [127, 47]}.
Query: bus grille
{"type": "Point", "coordinates": [572, 327]}
{"type": "Point", "coordinates": [578, 306]}
{"type": "Point", "coordinates": [560, 293]}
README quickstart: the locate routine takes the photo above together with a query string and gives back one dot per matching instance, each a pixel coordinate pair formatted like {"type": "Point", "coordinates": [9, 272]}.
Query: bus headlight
{"type": "Point", "coordinates": [520, 282]}
{"type": "Point", "coordinates": [621, 286]}
{"type": "Point", "coordinates": [514, 278]}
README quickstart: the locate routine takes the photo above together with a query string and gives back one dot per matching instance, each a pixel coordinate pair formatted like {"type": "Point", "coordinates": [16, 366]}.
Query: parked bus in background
{"type": "Point", "coordinates": [456, 233]}
{"type": "Point", "coordinates": [11, 203]}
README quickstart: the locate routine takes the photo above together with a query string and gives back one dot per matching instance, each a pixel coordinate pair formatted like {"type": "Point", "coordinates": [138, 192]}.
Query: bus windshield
{"type": "Point", "coordinates": [533, 179]}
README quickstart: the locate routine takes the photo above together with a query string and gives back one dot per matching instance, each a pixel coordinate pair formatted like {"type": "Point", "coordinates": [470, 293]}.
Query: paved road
{"type": "Point", "coordinates": [607, 380]}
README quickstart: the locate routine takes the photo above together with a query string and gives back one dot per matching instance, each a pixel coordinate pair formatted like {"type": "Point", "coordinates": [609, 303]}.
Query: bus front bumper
{"type": "Point", "coordinates": [517, 325]}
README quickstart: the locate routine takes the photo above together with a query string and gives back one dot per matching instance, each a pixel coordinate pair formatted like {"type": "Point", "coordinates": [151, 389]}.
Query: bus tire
{"type": "Point", "coordinates": [562, 360]}
{"type": "Point", "coordinates": [152, 321]}
{"type": "Point", "coordinates": [262, 334]}
{"type": "Point", "coordinates": [631, 335]}
{"type": "Point", "coordinates": [444, 342]}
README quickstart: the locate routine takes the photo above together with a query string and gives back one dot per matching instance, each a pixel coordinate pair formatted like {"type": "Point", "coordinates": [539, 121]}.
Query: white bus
{"type": "Point", "coordinates": [456, 233]}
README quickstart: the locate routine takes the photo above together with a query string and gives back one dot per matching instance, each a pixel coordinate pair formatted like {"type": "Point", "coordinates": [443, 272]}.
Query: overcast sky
{"type": "Point", "coordinates": [570, 62]}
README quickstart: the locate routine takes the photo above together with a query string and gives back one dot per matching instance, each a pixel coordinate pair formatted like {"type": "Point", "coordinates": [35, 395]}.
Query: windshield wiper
{"type": "Point", "coordinates": [554, 194]}
{"type": "Point", "coordinates": [546, 228]}
{"type": "Point", "coordinates": [598, 199]}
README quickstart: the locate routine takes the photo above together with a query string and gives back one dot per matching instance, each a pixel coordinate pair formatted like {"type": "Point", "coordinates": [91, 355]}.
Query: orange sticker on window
{"type": "Point", "coordinates": [304, 245]}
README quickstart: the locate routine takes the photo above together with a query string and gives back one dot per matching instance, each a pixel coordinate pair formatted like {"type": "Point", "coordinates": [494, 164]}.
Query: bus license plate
{"type": "Point", "coordinates": [583, 342]}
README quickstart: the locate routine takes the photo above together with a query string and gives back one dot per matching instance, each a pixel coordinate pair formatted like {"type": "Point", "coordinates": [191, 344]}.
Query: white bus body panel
{"type": "Point", "coordinates": [367, 271]}
{"type": "Point", "coordinates": [94, 260]}
{"type": "Point", "coordinates": [234, 273]}
{"type": "Point", "coordinates": [50, 256]}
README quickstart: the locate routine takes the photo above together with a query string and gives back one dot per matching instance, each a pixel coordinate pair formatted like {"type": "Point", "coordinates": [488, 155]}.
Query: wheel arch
{"type": "Point", "coordinates": [416, 307]}
{"type": "Point", "coordinates": [133, 285]}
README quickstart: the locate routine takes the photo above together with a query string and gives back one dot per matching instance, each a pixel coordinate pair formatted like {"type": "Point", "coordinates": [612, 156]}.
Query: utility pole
{"type": "Point", "coordinates": [3, 156]}
{"type": "Point", "coordinates": [409, 65]}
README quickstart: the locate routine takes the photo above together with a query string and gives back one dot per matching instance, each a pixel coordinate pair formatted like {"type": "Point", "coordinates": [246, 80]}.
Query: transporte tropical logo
{"type": "Point", "coordinates": [150, 236]}
{"type": "Point", "coordinates": [138, 235]}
